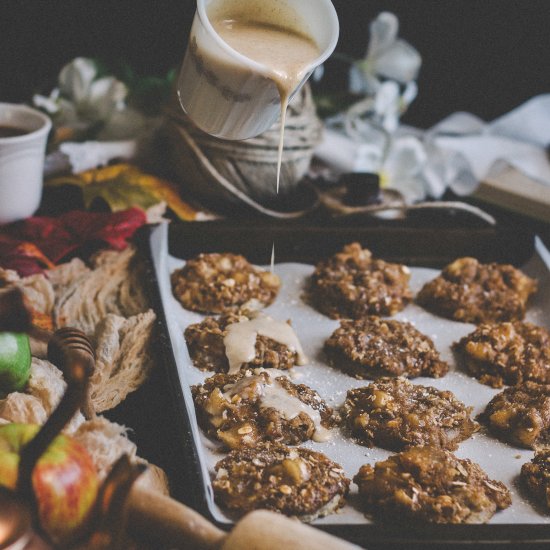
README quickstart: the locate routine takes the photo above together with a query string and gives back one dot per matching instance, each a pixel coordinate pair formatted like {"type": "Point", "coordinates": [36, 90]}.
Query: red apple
{"type": "Point", "coordinates": [64, 480]}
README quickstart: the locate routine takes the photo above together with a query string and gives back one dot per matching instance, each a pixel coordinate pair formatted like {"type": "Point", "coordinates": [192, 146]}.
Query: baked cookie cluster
{"type": "Point", "coordinates": [431, 485]}
{"type": "Point", "coordinates": [244, 409]}
{"type": "Point", "coordinates": [207, 349]}
{"type": "Point", "coordinates": [507, 353]}
{"type": "Point", "coordinates": [352, 284]}
{"type": "Point", "coordinates": [536, 477]}
{"type": "Point", "coordinates": [216, 283]}
{"type": "Point", "coordinates": [372, 346]}
{"type": "Point", "coordinates": [395, 414]}
{"type": "Point", "coordinates": [472, 292]}
{"type": "Point", "coordinates": [292, 480]}
{"type": "Point", "coordinates": [521, 415]}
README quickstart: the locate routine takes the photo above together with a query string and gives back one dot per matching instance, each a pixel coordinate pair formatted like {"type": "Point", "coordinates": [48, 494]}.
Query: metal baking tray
{"type": "Point", "coordinates": [419, 247]}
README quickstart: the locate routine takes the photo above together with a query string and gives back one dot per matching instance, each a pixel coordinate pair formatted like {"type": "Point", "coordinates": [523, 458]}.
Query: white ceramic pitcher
{"type": "Point", "coordinates": [231, 96]}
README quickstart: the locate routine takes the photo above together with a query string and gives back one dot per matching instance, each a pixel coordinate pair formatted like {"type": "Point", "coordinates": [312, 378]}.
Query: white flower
{"type": "Point", "coordinates": [417, 168]}
{"type": "Point", "coordinates": [48, 104]}
{"type": "Point", "coordinates": [76, 78]}
{"type": "Point", "coordinates": [387, 57]}
{"type": "Point", "coordinates": [388, 71]}
{"type": "Point", "coordinates": [86, 103]}
{"type": "Point", "coordinates": [403, 168]}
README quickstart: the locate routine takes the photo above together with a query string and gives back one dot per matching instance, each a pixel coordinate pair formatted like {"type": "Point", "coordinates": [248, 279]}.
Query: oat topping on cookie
{"type": "Point", "coordinates": [430, 485]}
{"type": "Point", "coordinates": [217, 283]}
{"type": "Point", "coordinates": [371, 347]}
{"type": "Point", "coordinates": [293, 481]}
{"type": "Point", "coordinates": [394, 413]}
{"type": "Point", "coordinates": [352, 284]}
{"type": "Point", "coordinates": [507, 353]}
{"type": "Point", "coordinates": [472, 292]}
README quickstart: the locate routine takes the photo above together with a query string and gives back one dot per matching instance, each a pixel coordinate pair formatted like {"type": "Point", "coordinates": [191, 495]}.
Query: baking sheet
{"type": "Point", "coordinates": [501, 461]}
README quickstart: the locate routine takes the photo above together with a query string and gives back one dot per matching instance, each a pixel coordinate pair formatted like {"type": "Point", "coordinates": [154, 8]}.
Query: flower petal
{"type": "Point", "coordinates": [387, 98]}
{"type": "Point", "coordinates": [400, 62]}
{"type": "Point", "coordinates": [412, 188]}
{"type": "Point", "coordinates": [409, 94]}
{"type": "Point", "coordinates": [67, 114]}
{"type": "Point", "coordinates": [48, 104]}
{"type": "Point", "coordinates": [361, 81]}
{"type": "Point", "coordinates": [76, 77]}
{"type": "Point", "coordinates": [383, 33]}
{"type": "Point", "coordinates": [406, 159]}
{"type": "Point", "coordinates": [107, 95]}
{"type": "Point", "coordinates": [124, 124]}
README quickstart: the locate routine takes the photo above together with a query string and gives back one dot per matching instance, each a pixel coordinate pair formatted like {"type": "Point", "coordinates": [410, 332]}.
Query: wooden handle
{"type": "Point", "coordinates": [164, 521]}
{"type": "Point", "coordinates": [264, 530]}
{"type": "Point", "coordinates": [75, 354]}
{"type": "Point", "coordinates": [158, 518]}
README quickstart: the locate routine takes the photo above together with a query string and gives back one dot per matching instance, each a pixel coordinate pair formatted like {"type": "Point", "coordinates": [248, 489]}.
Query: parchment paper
{"type": "Point", "coordinates": [500, 460]}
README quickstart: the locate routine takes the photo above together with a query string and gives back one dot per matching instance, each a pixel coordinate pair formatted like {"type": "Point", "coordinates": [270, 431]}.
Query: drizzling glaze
{"type": "Point", "coordinates": [240, 340]}
{"type": "Point", "coordinates": [285, 53]}
{"type": "Point", "coordinates": [272, 394]}
{"type": "Point", "coordinates": [276, 397]}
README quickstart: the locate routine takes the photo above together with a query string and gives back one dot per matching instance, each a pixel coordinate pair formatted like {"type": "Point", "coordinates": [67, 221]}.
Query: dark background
{"type": "Point", "coordinates": [482, 56]}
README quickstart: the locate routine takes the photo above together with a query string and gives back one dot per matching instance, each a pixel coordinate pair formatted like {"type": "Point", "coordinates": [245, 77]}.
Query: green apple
{"type": "Point", "coordinates": [64, 480]}
{"type": "Point", "coordinates": [15, 362]}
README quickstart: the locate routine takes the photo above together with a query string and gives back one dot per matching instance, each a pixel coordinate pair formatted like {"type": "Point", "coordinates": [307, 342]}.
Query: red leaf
{"type": "Point", "coordinates": [22, 256]}
{"type": "Point", "coordinates": [35, 244]}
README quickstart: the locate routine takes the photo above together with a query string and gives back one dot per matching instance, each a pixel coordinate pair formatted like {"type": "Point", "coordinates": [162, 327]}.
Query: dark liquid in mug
{"type": "Point", "coordinates": [11, 131]}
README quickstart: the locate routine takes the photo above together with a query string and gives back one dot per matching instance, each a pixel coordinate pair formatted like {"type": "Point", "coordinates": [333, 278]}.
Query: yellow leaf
{"type": "Point", "coordinates": [123, 186]}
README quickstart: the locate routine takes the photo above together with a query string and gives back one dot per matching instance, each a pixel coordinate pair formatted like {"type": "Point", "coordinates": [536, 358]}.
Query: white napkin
{"type": "Point", "coordinates": [80, 156]}
{"type": "Point", "coordinates": [462, 149]}
{"type": "Point", "coordinates": [518, 138]}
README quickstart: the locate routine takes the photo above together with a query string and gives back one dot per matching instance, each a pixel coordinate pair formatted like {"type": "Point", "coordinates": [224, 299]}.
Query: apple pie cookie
{"type": "Point", "coordinates": [291, 480]}
{"type": "Point", "coordinates": [430, 485]}
{"type": "Point", "coordinates": [372, 347]}
{"type": "Point", "coordinates": [520, 415]}
{"type": "Point", "coordinates": [241, 341]}
{"type": "Point", "coordinates": [536, 477]}
{"type": "Point", "coordinates": [352, 284]}
{"type": "Point", "coordinates": [242, 410]}
{"type": "Point", "coordinates": [507, 353]}
{"type": "Point", "coordinates": [216, 283]}
{"type": "Point", "coordinates": [472, 292]}
{"type": "Point", "coordinates": [395, 414]}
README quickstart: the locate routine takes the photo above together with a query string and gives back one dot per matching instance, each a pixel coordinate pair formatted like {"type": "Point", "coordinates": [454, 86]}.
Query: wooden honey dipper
{"type": "Point", "coordinates": [70, 349]}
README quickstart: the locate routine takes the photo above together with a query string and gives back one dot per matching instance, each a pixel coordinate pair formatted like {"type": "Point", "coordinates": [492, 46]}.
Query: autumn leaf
{"type": "Point", "coordinates": [124, 186]}
{"type": "Point", "coordinates": [38, 243]}
{"type": "Point", "coordinates": [22, 256]}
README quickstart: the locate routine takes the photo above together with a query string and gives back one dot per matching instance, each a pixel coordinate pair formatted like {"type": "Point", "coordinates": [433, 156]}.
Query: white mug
{"type": "Point", "coordinates": [227, 94]}
{"type": "Point", "coordinates": [21, 161]}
